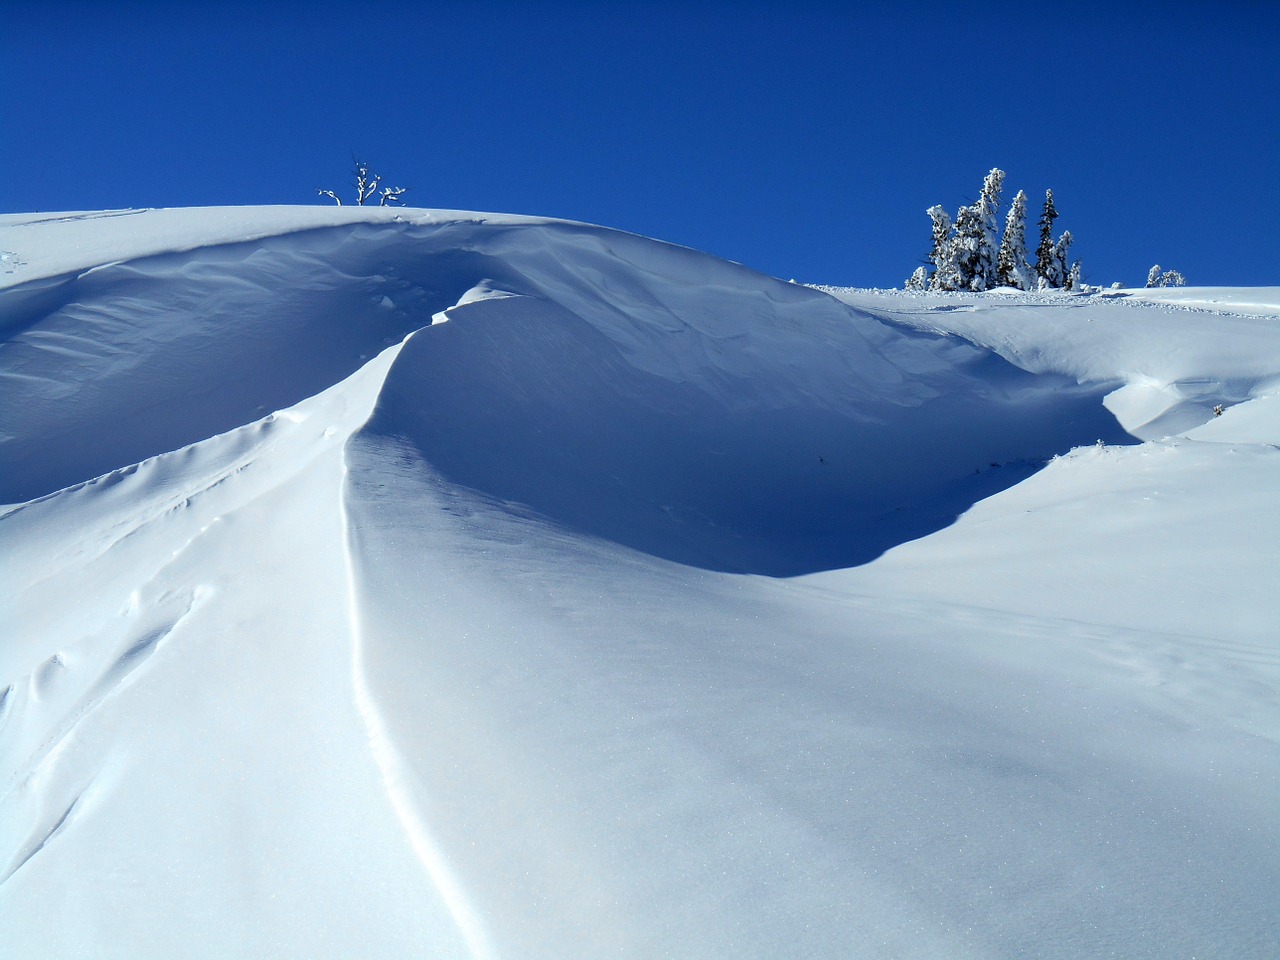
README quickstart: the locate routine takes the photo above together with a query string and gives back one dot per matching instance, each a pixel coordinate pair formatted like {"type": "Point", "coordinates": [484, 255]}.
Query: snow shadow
{"type": "Point", "coordinates": [730, 466]}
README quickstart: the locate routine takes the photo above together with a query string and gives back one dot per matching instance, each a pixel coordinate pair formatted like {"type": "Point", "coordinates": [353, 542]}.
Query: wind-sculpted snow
{"type": "Point", "coordinates": [634, 391]}
{"type": "Point", "coordinates": [387, 584]}
{"type": "Point", "coordinates": [1173, 364]}
{"type": "Point", "coordinates": [132, 359]}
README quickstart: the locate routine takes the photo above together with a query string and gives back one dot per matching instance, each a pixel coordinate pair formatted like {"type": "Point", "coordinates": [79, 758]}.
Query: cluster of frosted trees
{"type": "Point", "coordinates": [1164, 278]}
{"type": "Point", "coordinates": [969, 254]}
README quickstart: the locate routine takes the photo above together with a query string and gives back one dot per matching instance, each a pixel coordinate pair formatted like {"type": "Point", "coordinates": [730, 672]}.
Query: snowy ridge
{"type": "Point", "coordinates": [430, 583]}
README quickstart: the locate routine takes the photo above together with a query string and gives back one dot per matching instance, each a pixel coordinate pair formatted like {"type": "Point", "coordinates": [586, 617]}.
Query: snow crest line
{"type": "Point", "coordinates": [395, 777]}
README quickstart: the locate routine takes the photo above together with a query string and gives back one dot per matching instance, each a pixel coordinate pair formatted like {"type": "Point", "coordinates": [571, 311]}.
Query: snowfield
{"type": "Point", "coordinates": [387, 583]}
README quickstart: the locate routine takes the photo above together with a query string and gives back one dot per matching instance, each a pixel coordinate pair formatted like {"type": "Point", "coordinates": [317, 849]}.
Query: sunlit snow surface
{"type": "Point", "coordinates": [416, 583]}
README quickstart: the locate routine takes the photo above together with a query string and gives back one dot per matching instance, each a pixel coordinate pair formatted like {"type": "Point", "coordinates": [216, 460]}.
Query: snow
{"type": "Point", "coordinates": [400, 582]}
{"type": "Point", "coordinates": [1255, 301]}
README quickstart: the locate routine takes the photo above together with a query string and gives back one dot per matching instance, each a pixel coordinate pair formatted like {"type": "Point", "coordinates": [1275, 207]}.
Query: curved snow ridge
{"type": "Point", "coordinates": [1197, 407]}
{"type": "Point", "coordinates": [641, 392]}
{"type": "Point", "coordinates": [58, 699]}
{"type": "Point", "coordinates": [38, 841]}
{"type": "Point", "coordinates": [613, 372]}
{"type": "Point", "coordinates": [1173, 368]}
{"type": "Point", "coordinates": [757, 427]}
{"type": "Point", "coordinates": [402, 790]}
{"type": "Point", "coordinates": [59, 245]}
{"type": "Point", "coordinates": [143, 355]}
{"type": "Point", "coordinates": [67, 687]}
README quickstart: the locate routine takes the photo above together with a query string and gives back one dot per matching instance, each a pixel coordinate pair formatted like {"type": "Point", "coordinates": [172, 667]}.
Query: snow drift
{"type": "Point", "coordinates": [650, 395]}
{"type": "Point", "coordinates": [389, 583]}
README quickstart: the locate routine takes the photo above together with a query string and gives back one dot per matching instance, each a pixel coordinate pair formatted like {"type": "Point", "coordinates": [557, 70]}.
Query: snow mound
{"type": "Point", "coordinates": [632, 390]}
{"type": "Point", "coordinates": [390, 584]}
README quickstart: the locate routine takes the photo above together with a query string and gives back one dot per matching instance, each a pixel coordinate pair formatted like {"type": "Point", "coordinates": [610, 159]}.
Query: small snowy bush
{"type": "Point", "coordinates": [366, 184]}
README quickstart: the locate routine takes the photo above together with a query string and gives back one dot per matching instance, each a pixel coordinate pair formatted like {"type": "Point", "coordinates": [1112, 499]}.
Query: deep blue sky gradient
{"type": "Point", "coordinates": [805, 140]}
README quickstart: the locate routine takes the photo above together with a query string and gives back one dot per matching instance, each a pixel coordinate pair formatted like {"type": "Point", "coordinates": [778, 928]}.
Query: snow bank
{"type": "Point", "coordinates": [1173, 365]}
{"type": "Point", "coordinates": [388, 584]}
{"type": "Point", "coordinates": [632, 390]}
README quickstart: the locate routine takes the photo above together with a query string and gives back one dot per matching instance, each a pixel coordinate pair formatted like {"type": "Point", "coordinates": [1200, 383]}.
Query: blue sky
{"type": "Point", "coordinates": [805, 140]}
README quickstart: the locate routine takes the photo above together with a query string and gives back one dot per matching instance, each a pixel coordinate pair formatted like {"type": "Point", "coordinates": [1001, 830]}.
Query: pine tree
{"type": "Point", "coordinates": [1044, 252]}
{"type": "Point", "coordinates": [1164, 278]}
{"type": "Point", "coordinates": [918, 280]}
{"type": "Point", "coordinates": [975, 241]}
{"type": "Point", "coordinates": [1058, 271]}
{"type": "Point", "coordinates": [985, 267]}
{"type": "Point", "coordinates": [1011, 262]}
{"type": "Point", "coordinates": [966, 246]}
{"type": "Point", "coordinates": [1073, 278]}
{"type": "Point", "coordinates": [945, 275]}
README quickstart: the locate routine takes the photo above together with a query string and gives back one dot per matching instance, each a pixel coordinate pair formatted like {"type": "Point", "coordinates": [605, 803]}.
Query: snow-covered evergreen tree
{"type": "Point", "coordinates": [970, 255]}
{"type": "Point", "coordinates": [1044, 252]}
{"type": "Point", "coordinates": [1073, 277]}
{"type": "Point", "coordinates": [1167, 278]}
{"type": "Point", "coordinates": [966, 246]}
{"type": "Point", "coordinates": [918, 280]}
{"type": "Point", "coordinates": [945, 274]}
{"type": "Point", "coordinates": [1012, 269]}
{"type": "Point", "coordinates": [1056, 272]}
{"type": "Point", "coordinates": [985, 266]}
{"type": "Point", "coordinates": [976, 246]}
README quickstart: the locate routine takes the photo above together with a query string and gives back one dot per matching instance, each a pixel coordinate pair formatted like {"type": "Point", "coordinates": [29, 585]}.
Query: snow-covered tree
{"type": "Point", "coordinates": [972, 256]}
{"type": "Point", "coordinates": [1166, 278]}
{"type": "Point", "coordinates": [966, 244]}
{"type": "Point", "coordinates": [1073, 276]}
{"type": "Point", "coordinates": [1044, 252]}
{"type": "Point", "coordinates": [985, 268]}
{"type": "Point", "coordinates": [975, 241]}
{"type": "Point", "coordinates": [1012, 269]}
{"type": "Point", "coordinates": [918, 280]}
{"type": "Point", "coordinates": [945, 274]}
{"type": "Point", "coordinates": [1056, 272]}
{"type": "Point", "coordinates": [366, 184]}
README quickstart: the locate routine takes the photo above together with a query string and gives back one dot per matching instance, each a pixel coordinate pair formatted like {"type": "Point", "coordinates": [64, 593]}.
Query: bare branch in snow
{"type": "Point", "coordinates": [367, 184]}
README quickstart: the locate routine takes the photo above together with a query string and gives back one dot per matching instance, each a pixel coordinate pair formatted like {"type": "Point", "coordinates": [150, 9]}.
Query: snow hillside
{"type": "Point", "coordinates": [427, 583]}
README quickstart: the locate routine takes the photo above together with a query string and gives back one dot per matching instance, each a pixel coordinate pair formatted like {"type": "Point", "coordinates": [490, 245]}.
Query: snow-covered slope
{"type": "Point", "coordinates": [396, 583]}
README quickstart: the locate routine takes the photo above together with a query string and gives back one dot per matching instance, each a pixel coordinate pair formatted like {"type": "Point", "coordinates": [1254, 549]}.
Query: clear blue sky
{"type": "Point", "coordinates": [803, 139]}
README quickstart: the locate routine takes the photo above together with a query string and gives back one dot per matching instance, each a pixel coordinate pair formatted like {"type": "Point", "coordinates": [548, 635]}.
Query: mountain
{"type": "Point", "coordinates": [424, 583]}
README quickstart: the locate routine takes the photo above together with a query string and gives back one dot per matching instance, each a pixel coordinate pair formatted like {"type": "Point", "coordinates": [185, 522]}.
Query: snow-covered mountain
{"type": "Point", "coordinates": [390, 583]}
